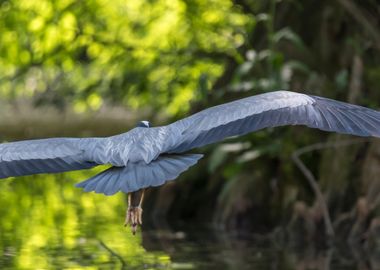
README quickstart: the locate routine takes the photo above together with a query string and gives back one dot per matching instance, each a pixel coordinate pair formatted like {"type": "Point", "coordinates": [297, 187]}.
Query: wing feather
{"type": "Point", "coordinates": [44, 156]}
{"type": "Point", "coordinates": [139, 175]}
{"type": "Point", "coordinates": [270, 110]}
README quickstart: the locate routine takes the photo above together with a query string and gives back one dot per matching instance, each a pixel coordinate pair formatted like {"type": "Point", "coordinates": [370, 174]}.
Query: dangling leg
{"type": "Point", "coordinates": [134, 211]}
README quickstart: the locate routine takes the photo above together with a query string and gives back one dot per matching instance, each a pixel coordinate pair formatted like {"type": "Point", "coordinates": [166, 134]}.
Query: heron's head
{"type": "Point", "coordinates": [145, 124]}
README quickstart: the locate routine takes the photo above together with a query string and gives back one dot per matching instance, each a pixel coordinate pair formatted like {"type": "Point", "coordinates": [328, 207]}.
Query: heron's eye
{"type": "Point", "coordinates": [145, 124]}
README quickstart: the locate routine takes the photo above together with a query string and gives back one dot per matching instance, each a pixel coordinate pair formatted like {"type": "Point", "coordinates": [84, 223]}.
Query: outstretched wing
{"type": "Point", "coordinates": [45, 156]}
{"type": "Point", "coordinates": [67, 154]}
{"type": "Point", "coordinates": [270, 110]}
{"type": "Point", "coordinates": [139, 175]}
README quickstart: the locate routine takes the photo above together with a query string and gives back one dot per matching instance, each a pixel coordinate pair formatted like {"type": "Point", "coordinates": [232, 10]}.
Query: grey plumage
{"type": "Point", "coordinates": [140, 174]}
{"type": "Point", "coordinates": [275, 109]}
{"type": "Point", "coordinates": [149, 156]}
{"type": "Point", "coordinates": [44, 156]}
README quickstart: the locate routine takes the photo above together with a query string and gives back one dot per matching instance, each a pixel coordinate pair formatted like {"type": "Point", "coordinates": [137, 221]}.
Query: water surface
{"type": "Point", "coordinates": [46, 223]}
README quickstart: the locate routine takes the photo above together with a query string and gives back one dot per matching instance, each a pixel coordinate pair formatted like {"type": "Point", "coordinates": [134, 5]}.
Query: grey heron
{"type": "Point", "coordinates": [150, 156]}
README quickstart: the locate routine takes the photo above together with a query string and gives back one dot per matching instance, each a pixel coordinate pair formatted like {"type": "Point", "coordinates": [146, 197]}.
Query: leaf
{"type": "Point", "coordinates": [287, 34]}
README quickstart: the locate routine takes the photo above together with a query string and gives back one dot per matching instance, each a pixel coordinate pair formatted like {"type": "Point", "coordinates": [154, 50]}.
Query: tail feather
{"type": "Point", "coordinates": [139, 175]}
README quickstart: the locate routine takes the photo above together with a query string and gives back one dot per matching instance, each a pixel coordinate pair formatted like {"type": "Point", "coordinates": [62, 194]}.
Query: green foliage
{"type": "Point", "coordinates": [137, 53]}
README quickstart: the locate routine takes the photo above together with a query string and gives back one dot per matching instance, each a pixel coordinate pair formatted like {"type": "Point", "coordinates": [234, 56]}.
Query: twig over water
{"type": "Point", "coordinates": [311, 179]}
{"type": "Point", "coordinates": [113, 253]}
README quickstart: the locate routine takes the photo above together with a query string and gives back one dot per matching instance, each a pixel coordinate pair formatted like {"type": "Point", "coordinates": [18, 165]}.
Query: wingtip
{"type": "Point", "coordinates": [199, 156]}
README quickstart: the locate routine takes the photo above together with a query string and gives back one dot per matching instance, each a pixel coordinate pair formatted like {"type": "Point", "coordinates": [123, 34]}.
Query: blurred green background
{"type": "Point", "coordinates": [94, 68]}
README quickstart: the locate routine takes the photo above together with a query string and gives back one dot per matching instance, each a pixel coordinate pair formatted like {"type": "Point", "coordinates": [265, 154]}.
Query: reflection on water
{"type": "Point", "coordinates": [46, 223]}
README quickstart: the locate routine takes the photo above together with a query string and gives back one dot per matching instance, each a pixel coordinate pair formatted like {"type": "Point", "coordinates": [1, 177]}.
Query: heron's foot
{"type": "Point", "coordinates": [133, 217]}
{"type": "Point", "coordinates": [134, 211]}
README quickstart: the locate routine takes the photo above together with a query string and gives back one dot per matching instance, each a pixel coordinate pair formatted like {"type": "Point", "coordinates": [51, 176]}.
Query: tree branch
{"type": "Point", "coordinates": [113, 253]}
{"type": "Point", "coordinates": [311, 179]}
{"type": "Point", "coordinates": [363, 18]}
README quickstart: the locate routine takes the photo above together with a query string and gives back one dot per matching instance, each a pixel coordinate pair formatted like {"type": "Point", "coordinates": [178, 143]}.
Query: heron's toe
{"type": "Point", "coordinates": [133, 218]}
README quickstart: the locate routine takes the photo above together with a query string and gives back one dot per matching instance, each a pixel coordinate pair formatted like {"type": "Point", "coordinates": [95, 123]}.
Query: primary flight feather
{"type": "Point", "coordinates": [149, 156]}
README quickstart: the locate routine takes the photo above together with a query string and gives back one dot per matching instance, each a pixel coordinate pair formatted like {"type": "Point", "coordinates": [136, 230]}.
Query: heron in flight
{"type": "Point", "coordinates": [150, 156]}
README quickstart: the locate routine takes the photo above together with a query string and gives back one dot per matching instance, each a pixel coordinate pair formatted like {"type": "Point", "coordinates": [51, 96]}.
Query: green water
{"type": "Point", "coordinates": [46, 223]}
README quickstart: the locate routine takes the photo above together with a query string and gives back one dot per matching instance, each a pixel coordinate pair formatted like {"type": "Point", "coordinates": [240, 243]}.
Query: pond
{"type": "Point", "coordinates": [46, 223]}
